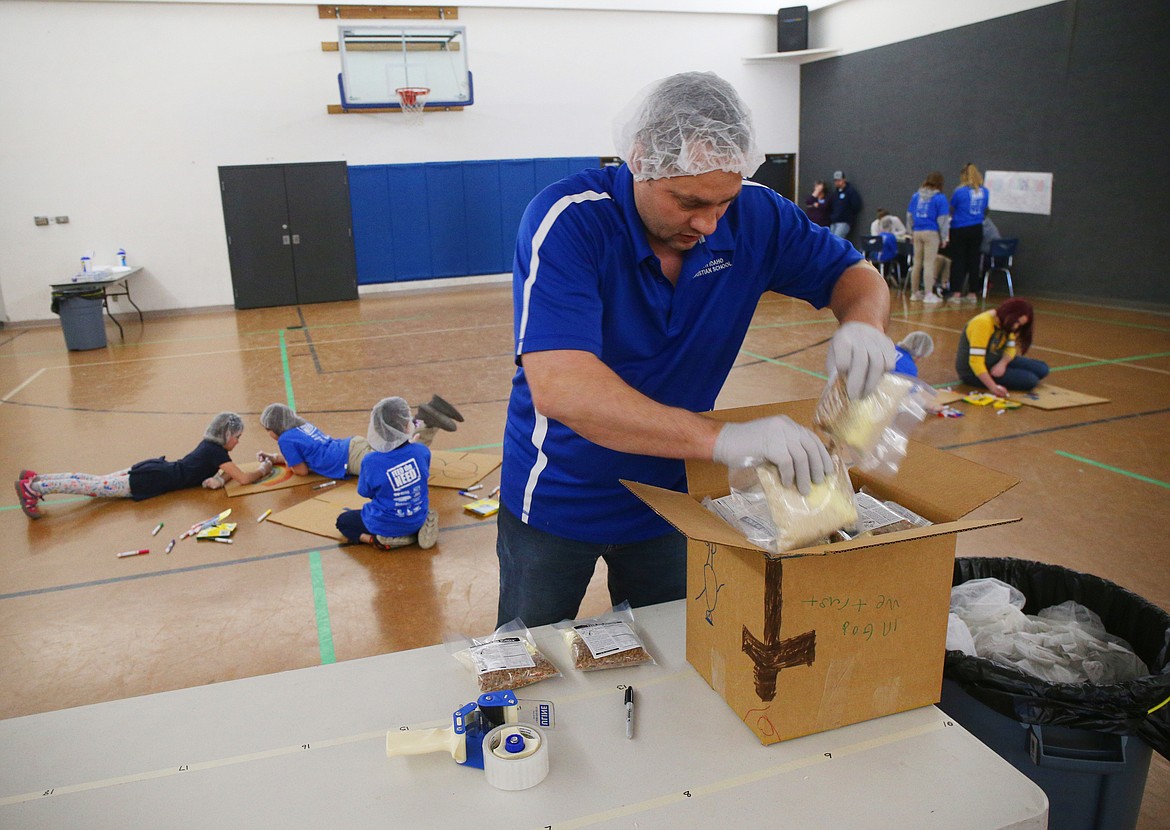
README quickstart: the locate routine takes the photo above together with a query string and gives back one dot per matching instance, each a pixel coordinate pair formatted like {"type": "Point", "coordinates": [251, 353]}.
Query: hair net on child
{"type": "Point", "coordinates": [222, 427]}
{"type": "Point", "coordinates": [918, 343]}
{"type": "Point", "coordinates": [279, 418]}
{"type": "Point", "coordinates": [687, 125]}
{"type": "Point", "coordinates": [391, 424]}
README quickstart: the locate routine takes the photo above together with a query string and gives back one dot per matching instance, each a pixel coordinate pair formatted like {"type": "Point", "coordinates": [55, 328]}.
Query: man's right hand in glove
{"type": "Point", "coordinates": [796, 451]}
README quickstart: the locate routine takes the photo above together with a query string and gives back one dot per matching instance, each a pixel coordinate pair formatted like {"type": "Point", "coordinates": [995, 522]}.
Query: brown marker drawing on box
{"type": "Point", "coordinates": [773, 654]}
{"type": "Point", "coordinates": [711, 584]}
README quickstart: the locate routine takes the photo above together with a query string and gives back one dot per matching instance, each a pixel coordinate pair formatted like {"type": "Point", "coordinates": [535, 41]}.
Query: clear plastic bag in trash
{"type": "Point", "coordinates": [1064, 643]}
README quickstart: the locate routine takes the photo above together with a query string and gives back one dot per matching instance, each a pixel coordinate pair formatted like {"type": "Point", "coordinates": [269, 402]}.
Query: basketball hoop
{"type": "Point", "coordinates": [412, 100]}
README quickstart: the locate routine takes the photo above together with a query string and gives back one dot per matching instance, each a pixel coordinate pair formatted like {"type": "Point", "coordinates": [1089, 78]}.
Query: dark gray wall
{"type": "Point", "coordinates": [1077, 89]}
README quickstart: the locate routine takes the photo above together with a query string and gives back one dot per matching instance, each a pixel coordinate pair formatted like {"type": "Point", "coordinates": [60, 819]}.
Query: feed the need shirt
{"type": "Point", "coordinates": [396, 484]}
{"type": "Point", "coordinates": [306, 444]}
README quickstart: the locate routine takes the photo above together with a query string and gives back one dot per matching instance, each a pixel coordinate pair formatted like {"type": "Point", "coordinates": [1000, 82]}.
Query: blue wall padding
{"type": "Point", "coordinates": [444, 219]}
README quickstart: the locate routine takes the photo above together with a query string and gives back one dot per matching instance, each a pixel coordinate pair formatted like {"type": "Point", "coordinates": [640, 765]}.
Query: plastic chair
{"type": "Point", "coordinates": [999, 258]}
{"type": "Point", "coordinates": [882, 251]}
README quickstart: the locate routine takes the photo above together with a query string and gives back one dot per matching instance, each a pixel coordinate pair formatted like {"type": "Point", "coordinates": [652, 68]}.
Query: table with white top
{"type": "Point", "coordinates": [106, 283]}
{"type": "Point", "coordinates": [306, 748]}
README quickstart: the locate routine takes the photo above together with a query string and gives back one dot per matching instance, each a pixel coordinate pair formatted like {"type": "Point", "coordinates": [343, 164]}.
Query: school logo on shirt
{"type": "Point", "coordinates": [404, 474]}
{"type": "Point", "coordinates": [717, 264]}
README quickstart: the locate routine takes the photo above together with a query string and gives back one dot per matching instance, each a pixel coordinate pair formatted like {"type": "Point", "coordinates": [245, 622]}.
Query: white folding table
{"type": "Point", "coordinates": [306, 748]}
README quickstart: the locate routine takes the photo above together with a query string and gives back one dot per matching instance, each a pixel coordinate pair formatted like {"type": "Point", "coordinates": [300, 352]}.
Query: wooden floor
{"type": "Point", "coordinates": [78, 625]}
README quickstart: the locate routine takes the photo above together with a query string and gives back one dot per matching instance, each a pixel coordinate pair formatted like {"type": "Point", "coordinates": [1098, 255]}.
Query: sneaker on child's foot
{"type": "Point", "coordinates": [428, 534]}
{"type": "Point", "coordinates": [28, 499]}
{"type": "Point", "coordinates": [931, 299]}
{"type": "Point", "coordinates": [971, 298]}
{"type": "Point", "coordinates": [916, 297]}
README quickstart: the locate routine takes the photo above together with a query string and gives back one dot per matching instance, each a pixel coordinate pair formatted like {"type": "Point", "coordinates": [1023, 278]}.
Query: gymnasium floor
{"type": "Point", "coordinates": [79, 626]}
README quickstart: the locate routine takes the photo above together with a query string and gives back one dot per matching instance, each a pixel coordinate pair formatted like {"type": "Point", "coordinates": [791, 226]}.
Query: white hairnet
{"type": "Point", "coordinates": [918, 343]}
{"type": "Point", "coordinates": [279, 418]}
{"type": "Point", "coordinates": [687, 125]}
{"type": "Point", "coordinates": [222, 427]}
{"type": "Point", "coordinates": [391, 424]}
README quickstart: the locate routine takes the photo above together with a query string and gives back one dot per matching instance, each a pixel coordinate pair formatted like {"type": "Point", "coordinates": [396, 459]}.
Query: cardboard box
{"type": "Point", "coordinates": [829, 635]}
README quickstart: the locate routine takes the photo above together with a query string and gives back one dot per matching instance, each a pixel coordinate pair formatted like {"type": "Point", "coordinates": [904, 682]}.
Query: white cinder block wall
{"type": "Point", "coordinates": [117, 114]}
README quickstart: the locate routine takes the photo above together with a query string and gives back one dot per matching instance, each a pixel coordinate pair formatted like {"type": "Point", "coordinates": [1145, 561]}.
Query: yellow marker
{"type": "Point", "coordinates": [264, 516]}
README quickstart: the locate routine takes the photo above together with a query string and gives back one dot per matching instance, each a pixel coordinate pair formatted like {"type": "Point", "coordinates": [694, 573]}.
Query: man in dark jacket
{"type": "Point", "coordinates": [846, 206]}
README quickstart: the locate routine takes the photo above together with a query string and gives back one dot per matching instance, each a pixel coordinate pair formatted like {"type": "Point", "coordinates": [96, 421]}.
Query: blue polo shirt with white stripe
{"type": "Point", "coordinates": [585, 279]}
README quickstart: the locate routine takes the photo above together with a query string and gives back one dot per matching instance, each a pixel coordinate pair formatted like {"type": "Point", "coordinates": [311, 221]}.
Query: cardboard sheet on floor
{"type": "Point", "coordinates": [460, 470]}
{"type": "Point", "coordinates": [318, 515]}
{"type": "Point", "coordinates": [280, 478]}
{"type": "Point", "coordinates": [1046, 396]}
{"type": "Point", "coordinates": [945, 397]}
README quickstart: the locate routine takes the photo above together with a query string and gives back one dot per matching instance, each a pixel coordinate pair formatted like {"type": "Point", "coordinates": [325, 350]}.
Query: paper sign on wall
{"type": "Point", "coordinates": [1018, 192]}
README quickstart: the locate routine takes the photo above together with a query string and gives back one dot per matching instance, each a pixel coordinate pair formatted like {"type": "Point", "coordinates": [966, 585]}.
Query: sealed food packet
{"type": "Point", "coordinates": [608, 641]}
{"type": "Point", "coordinates": [872, 433]}
{"type": "Point", "coordinates": [506, 659]}
{"type": "Point", "coordinates": [805, 520]}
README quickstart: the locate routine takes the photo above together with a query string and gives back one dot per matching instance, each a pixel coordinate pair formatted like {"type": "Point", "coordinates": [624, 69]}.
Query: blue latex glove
{"type": "Point", "coordinates": [861, 354]}
{"type": "Point", "coordinates": [796, 451]}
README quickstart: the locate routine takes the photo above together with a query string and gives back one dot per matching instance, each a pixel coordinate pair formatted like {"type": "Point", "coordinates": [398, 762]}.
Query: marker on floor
{"type": "Point", "coordinates": [326, 484]}
{"type": "Point", "coordinates": [157, 528]}
{"type": "Point", "coordinates": [222, 539]}
{"type": "Point", "coordinates": [126, 553]}
{"type": "Point", "coordinates": [170, 546]}
{"type": "Point", "coordinates": [494, 491]}
{"type": "Point", "coordinates": [264, 515]}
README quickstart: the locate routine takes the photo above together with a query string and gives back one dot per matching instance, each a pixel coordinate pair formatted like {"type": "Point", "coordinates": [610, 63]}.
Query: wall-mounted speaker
{"type": "Point", "coordinates": [792, 29]}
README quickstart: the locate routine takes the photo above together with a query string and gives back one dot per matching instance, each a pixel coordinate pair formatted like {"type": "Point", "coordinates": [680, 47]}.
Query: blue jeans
{"type": "Point", "coordinates": [1022, 374]}
{"type": "Point", "coordinates": [840, 229]}
{"type": "Point", "coordinates": [543, 577]}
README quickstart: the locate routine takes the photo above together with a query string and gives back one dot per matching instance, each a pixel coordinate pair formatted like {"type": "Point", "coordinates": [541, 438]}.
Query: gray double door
{"type": "Point", "coordinates": [289, 233]}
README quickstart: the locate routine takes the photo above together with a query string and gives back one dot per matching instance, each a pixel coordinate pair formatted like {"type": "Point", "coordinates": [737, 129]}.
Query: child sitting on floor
{"type": "Point", "coordinates": [394, 477]}
{"type": "Point", "coordinates": [208, 464]}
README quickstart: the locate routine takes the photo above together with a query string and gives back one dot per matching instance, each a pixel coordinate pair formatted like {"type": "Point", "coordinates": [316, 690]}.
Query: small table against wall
{"type": "Point", "coordinates": [107, 285]}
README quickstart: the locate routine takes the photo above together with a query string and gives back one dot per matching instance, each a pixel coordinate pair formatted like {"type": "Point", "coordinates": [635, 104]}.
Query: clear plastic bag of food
{"type": "Point", "coordinates": [506, 659]}
{"type": "Point", "coordinates": [872, 433]}
{"type": "Point", "coordinates": [608, 641]}
{"type": "Point", "coordinates": [779, 518]}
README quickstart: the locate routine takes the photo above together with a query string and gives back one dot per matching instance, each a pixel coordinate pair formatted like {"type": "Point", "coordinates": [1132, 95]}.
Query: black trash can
{"type": "Point", "coordinates": [1087, 746]}
{"type": "Point", "coordinates": [81, 319]}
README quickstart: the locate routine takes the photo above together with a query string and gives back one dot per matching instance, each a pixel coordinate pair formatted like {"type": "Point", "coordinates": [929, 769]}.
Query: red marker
{"type": "Point", "coordinates": [133, 553]}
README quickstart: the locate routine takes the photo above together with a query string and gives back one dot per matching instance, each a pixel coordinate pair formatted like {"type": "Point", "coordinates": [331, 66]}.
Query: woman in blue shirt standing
{"type": "Point", "coordinates": [968, 207]}
{"type": "Point", "coordinates": [928, 217]}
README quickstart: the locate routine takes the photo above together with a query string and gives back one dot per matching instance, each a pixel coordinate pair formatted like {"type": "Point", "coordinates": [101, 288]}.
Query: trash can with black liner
{"type": "Point", "coordinates": [1087, 746]}
{"type": "Point", "coordinates": [81, 318]}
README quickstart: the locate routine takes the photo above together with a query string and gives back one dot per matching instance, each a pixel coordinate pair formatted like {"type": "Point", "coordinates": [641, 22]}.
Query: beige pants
{"type": "Point", "coordinates": [359, 448]}
{"type": "Point", "coordinates": [925, 251]}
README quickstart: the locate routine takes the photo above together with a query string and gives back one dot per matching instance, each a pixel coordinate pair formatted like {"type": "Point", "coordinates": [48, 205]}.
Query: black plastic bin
{"type": "Point", "coordinates": [1087, 746]}
{"type": "Point", "coordinates": [81, 319]}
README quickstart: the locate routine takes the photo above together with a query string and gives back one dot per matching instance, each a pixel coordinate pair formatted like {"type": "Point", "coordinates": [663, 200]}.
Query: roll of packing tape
{"type": "Point", "coordinates": [515, 756]}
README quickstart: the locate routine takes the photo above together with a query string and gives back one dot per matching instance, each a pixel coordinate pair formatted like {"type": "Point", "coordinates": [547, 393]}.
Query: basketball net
{"type": "Point", "coordinates": [413, 99]}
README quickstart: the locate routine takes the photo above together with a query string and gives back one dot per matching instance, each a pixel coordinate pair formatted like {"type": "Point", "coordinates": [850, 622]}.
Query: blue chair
{"type": "Point", "coordinates": [882, 251]}
{"type": "Point", "coordinates": [999, 258]}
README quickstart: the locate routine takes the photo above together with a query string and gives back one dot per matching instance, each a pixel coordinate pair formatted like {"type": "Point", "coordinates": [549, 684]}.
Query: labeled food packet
{"type": "Point", "coordinates": [872, 433]}
{"type": "Point", "coordinates": [608, 641]}
{"type": "Point", "coordinates": [506, 659]}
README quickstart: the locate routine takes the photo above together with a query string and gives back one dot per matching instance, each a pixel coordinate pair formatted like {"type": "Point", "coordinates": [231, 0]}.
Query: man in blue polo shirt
{"type": "Point", "coordinates": [633, 289]}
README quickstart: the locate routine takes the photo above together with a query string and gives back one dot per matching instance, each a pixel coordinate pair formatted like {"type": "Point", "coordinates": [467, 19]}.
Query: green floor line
{"type": "Point", "coordinates": [1146, 479]}
{"type": "Point", "coordinates": [494, 446]}
{"type": "Point", "coordinates": [820, 321]}
{"type": "Point", "coordinates": [292, 404]}
{"type": "Point", "coordinates": [1133, 359]}
{"type": "Point", "coordinates": [775, 362]}
{"type": "Point", "coordinates": [1048, 312]}
{"type": "Point", "coordinates": [321, 606]}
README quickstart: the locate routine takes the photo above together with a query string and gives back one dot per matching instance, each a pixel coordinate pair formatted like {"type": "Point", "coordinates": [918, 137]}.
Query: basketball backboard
{"type": "Point", "coordinates": [377, 60]}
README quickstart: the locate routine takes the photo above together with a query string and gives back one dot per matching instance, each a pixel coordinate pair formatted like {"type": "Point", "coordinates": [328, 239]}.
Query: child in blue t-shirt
{"type": "Point", "coordinates": [393, 477]}
{"type": "Point", "coordinates": [305, 449]}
